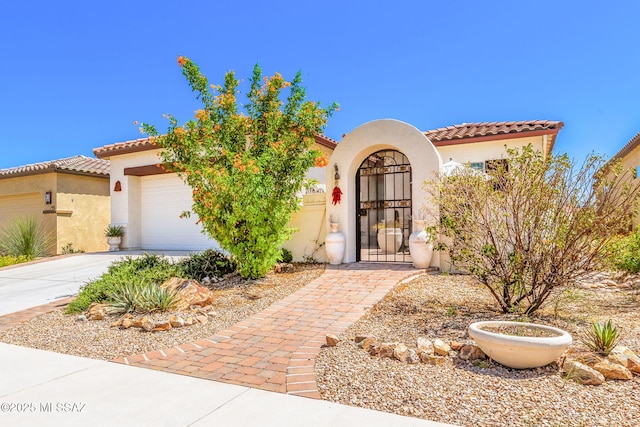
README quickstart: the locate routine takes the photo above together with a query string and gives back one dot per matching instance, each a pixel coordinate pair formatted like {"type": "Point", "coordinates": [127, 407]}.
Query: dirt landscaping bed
{"type": "Point", "coordinates": [235, 300]}
{"type": "Point", "coordinates": [479, 393]}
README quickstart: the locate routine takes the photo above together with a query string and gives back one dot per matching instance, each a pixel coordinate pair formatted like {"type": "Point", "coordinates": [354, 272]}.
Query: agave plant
{"type": "Point", "coordinates": [602, 337]}
{"type": "Point", "coordinates": [141, 297]}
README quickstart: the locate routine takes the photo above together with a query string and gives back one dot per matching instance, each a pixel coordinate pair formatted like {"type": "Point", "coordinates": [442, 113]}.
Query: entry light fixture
{"type": "Point", "coordinates": [47, 197]}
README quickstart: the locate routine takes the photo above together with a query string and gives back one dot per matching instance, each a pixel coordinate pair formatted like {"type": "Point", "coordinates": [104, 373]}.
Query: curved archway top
{"type": "Point", "coordinates": [383, 134]}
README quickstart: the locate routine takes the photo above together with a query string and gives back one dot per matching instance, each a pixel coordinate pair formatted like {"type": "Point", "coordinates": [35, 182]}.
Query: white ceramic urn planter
{"type": "Point", "coordinates": [420, 246]}
{"type": "Point", "coordinates": [334, 244]}
{"type": "Point", "coordinates": [114, 243]}
{"type": "Point", "coordinates": [390, 239]}
{"type": "Point", "coordinates": [520, 351]}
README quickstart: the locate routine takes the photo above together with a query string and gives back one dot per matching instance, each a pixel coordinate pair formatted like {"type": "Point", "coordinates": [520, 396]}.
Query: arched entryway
{"type": "Point", "coordinates": [383, 207]}
{"type": "Point", "coordinates": [353, 152]}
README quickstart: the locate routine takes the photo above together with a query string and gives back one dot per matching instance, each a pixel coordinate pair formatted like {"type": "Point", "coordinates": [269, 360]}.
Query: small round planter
{"type": "Point", "coordinates": [520, 351]}
{"type": "Point", "coordinates": [114, 243]}
{"type": "Point", "coordinates": [390, 240]}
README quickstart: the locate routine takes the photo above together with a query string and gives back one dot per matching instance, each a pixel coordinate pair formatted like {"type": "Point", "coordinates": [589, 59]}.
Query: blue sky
{"type": "Point", "coordinates": [76, 75]}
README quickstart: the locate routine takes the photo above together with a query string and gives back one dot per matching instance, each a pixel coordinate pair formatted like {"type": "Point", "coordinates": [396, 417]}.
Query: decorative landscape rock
{"type": "Point", "coordinates": [585, 357]}
{"type": "Point", "coordinates": [633, 360]}
{"type": "Point", "coordinates": [374, 349]}
{"type": "Point", "coordinates": [162, 326]}
{"type": "Point", "coordinates": [436, 360]}
{"type": "Point", "coordinates": [359, 338]}
{"type": "Point", "coordinates": [582, 373]}
{"type": "Point", "coordinates": [126, 323]}
{"type": "Point", "coordinates": [147, 324]}
{"type": "Point", "coordinates": [412, 357]}
{"type": "Point", "coordinates": [332, 340]}
{"type": "Point", "coordinates": [367, 343]}
{"type": "Point", "coordinates": [190, 292]}
{"type": "Point", "coordinates": [612, 371]}
{"type": "Point", "coordinates": [176, 321]}
{"type": "Point", "coordinates": [441, 348]}
{"type": "Point", "coordinates": [202, 319]}
{"type": "Point", "coordinates": [400, 352]}
{"type": "Point", "coordinates": [96, 311]}
{"type": "Point", "coordinates": [455, 345]}
{"type": "Point", "coordinates": [471, 352]}
{"type": "Point", "coordinates": [386, 349]}
{"type": "Point", "coordinates": [424, 344]}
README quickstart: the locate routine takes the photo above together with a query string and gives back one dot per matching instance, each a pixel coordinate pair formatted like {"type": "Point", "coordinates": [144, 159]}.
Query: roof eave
{"type": "Point", "coordinates": [498, 137]}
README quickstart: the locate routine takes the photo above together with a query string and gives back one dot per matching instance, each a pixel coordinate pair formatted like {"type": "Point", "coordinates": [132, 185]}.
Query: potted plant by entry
{"type": "Point", "coordinates": [389, 236]}
{"type": "Point", "coordinates": [114, 235]}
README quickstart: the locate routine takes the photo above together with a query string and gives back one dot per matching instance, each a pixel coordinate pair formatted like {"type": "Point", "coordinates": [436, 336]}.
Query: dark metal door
{"type": "Point", "coordinates": [383, 191]}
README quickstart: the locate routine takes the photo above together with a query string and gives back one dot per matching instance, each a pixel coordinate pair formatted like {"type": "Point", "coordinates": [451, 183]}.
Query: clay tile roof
{"type": "Point", "coordinates": [144, 144]}
{"type": "Point", "coordinates": [626, 149]}
{"type": "Point", "coordinates": [140, 144]}
{"type": "Point", "coordinates": [486, 130]}
{"type": "Point", "coordinates": [77, 164]}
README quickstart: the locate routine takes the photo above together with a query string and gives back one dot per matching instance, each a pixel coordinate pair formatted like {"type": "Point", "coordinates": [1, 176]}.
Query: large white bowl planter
{"type": "Point", "coordinates": [520, 351]}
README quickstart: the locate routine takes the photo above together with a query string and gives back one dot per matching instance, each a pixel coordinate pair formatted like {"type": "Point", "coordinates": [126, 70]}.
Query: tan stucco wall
{"type": "Point", "coordinates": [26, 197]}
{"type": "Point", "coordinates": [308, 239]}
{"type": "Point", "coordinates": [81, 205]}
{"type": "Point", "coordinates": [486, 150]}
{"type": "Point", "coordinates": [87, 198]}
{"type": "Point", "coordinates": [631, 161]}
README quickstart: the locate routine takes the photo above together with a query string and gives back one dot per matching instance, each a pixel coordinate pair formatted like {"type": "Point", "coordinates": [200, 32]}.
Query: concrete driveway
{"type": "Point", "coordinates": [33, 284]}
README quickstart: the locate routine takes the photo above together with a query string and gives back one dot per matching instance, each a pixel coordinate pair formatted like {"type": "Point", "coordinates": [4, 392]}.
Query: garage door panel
{"type": "Point", "coordinates": [163, 199]}
{"type": "Point", "coordinates": [21, 205]}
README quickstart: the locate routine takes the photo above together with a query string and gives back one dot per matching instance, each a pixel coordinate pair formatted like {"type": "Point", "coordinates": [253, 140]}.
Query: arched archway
{"type": "Point", "coordinates": [383, 207]}
{"type": "Point", "coordinates": [352, 152]}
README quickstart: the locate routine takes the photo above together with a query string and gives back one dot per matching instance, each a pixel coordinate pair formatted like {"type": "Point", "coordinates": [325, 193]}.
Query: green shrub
{"type": "Point", "coordinates": [602, 337]}
{"type": "Point", "coordinates": [285, 255]}
{"type": "Point", "coordinates": [136, 271]}
{"type": "Point", "coordinates": [69, 249]}
{"type": "Point", "coordinates": [141, 297]}
{"type": "Point", "coordinates": [624, 253]}
{"type": "Point", "coordinates": [25, 236]}
{"type": "Point", "coordinates": [6, 260]}
{"type": "Point", "coordinates": [208, 263]}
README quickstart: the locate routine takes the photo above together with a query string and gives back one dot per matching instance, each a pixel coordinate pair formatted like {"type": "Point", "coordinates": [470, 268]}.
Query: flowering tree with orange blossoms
{"type": "Point", "coordinates": [245, 169]}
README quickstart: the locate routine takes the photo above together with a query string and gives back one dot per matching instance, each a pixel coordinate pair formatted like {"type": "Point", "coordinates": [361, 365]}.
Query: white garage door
{"type": "Point", "coordinates": [163, 199]}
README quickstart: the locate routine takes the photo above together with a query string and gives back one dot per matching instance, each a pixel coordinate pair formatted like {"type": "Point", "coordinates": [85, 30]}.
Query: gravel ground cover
{"type": "Point", "coordinates": [236, 299]}
{"type": "Point", "coordinates": [432, 306]}
{"type": "Point", "coordinates": [480, 394]}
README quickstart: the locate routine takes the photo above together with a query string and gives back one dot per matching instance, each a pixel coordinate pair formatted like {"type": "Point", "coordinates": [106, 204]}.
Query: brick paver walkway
{"type": "Point", "coordinates": [276, 349]}
{"type": "Point", "coordinates": [10, 320]}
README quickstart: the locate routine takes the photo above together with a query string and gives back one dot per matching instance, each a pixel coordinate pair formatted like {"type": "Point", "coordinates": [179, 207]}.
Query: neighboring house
{"type": "Point", "coordinates": [382, 167]}
{"type": "Point", "coordinates": [69, 196]}
{"type": "Point", "coordinates": [629, 156]}
{"type": "Point", "coordinates": [148, 201]}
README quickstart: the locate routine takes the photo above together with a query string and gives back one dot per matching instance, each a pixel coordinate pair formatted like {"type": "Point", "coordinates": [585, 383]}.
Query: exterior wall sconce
{"type": "Point", "coordinates": [118, 186]}
{"type": "Point", "coordinates": [47, 197]}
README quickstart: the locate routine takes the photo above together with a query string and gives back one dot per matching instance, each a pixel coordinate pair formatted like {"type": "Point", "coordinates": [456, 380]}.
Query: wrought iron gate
{"type": "Point", "coordinates": [383, 190]}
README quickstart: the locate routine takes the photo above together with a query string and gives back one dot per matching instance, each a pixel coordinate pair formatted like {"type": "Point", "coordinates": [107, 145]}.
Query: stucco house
{"type": "Point", "coordinates": [148, 201]}
{"type": "Point", "coordinates": [629, 156]}
{"type": "Point", "coordinates": [69, 196]}
{"type": "Point", "coordinates": [381, 168]}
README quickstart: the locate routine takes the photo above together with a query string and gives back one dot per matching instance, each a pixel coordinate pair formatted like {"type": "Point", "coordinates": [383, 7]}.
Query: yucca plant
{"type": "Point", "coordinates": [25, 236]}
{"type": "Point", "coordinates": [601, 338]}
{"type": "Point", "coordinates": [141, 297]}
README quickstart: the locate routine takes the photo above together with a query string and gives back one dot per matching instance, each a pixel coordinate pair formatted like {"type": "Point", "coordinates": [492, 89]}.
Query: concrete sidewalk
{"type": "Point", "coordinates": [50, 389]}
